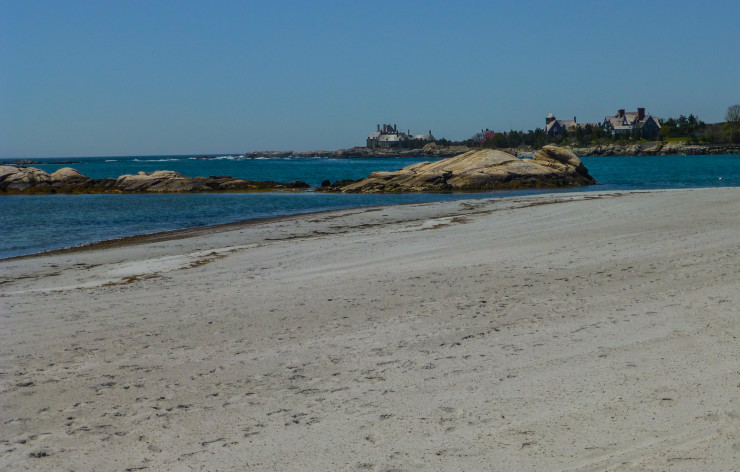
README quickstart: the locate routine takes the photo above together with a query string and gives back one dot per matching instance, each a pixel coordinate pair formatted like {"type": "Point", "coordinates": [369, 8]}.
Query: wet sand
{"type": "Point", "coordinates": [591, 331]}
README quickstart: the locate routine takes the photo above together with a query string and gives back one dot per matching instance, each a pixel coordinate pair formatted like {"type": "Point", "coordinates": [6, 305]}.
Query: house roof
{"type": "Point", "coordinates": [631, 120]}
{"type": "Point", "coordinates": [631, 116]}
{"type": "Point", "coordinates": [614, 120]}
{"type": "Point", "coordinates": [562, 123]}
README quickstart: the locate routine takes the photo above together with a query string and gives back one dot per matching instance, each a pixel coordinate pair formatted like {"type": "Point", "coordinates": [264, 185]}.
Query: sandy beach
{"type": "Point", "coordinates": [573, 331]}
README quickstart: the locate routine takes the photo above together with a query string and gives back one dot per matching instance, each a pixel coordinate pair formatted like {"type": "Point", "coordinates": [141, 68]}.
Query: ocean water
{"type": "Point", "coordinates": [34, 223]}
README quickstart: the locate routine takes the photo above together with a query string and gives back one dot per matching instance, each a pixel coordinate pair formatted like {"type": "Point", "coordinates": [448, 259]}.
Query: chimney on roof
{"type": "Point", "coordinates": [395, 129]}
{"type": "Point", "coordinates": [378, 128]}
{"type": "Point", "coordinates": [640, 114]}
{"type": "Point", "coordinates": [574, 119]}
{"type": "Point", "coordinates": [620, 113]}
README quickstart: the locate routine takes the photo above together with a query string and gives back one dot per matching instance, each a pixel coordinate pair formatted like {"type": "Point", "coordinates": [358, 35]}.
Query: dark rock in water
{"type": "Point", "coordinates": [337, 186]}
{"type": "Point", "coordinates": [30, 180]}
{"type": "Point", "coordinates": [485, 169]}
{"type": "Point", "coordinates": [431, 150]}
{"type": "Point", "coordinates": [25, 162]}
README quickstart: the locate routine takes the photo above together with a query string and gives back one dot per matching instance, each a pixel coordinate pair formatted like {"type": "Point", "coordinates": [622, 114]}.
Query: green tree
{"type": "Point", "coordinates": [500, 140]}
{"type": "Point", "coordinates": [516, 138]}
{"type": "Point", "coordinates": [733, 115]}
{"type": "Point", "coordinates": [732, 123]}
{"type": "Point", "coordinates": [579, 135]}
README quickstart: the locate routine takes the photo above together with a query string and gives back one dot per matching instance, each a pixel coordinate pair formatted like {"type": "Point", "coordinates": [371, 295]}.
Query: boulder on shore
{"type": "Point", "coordinates": [484, 169]}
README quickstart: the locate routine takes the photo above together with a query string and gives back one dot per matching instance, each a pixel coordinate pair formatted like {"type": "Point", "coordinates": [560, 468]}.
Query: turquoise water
{"type": "Point", "coordinates": [33, 223]}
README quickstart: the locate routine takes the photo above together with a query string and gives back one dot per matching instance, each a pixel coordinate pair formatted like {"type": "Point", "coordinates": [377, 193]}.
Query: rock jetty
{"type": "Point", "coordinates": [30, 180]}
{"type": "Point", "coordinates": [485, 169]}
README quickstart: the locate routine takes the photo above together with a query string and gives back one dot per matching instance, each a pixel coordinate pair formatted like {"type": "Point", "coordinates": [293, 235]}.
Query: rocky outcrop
{"type": "Point", "coordinates": [429, 150]}
{"type": "Point", "coordinates": [656, 148]}
{"type": "Point", "coordinates": [22, 178]}
{"type": "Point", "coordinates": [29, 180]}
{"type": "Point", "coordinates": [27, 162]}
{"type": "Point", "coordinates": [484, 169]}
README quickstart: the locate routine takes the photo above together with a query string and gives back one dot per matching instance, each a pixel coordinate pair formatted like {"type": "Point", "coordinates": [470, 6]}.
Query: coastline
{"type": "Point", "coordinates": [434, 152]}
{"type": "Point", "coordinates": [655, 148]}
{"type": "Point", "coordinates": [582, 331]}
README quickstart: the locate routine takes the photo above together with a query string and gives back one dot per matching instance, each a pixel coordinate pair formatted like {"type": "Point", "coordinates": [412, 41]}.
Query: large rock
{"type": "Point", "coordinates": [157, 181]}
{"type": "Point", "coordinates": [67, 176]}
{"type": "Point", "coordinates": [485, 169]}
{"type": "Point", "coordinates": [24, 178]}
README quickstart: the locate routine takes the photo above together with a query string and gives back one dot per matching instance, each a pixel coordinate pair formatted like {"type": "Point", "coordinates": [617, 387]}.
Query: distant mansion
{"type": "Point", "coordinates": [646, 126]}
{"type": "Point", "coordinates": [389, 137]}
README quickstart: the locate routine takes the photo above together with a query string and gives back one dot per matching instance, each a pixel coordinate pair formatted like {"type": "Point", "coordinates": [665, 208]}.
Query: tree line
{"type": "Point", "coordinates": [689, 128]}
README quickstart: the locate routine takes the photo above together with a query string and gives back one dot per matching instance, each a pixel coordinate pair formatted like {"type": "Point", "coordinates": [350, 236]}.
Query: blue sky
{"type": "Point", "coordinates": [97, 78]}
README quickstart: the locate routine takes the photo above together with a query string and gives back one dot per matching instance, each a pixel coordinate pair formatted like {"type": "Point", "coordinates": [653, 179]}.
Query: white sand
{"type": "Point", "coordinates": [589, 331]}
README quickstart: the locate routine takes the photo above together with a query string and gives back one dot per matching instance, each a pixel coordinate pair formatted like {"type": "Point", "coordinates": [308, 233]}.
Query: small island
{"type": "Point", "coordinates": [485, 169]}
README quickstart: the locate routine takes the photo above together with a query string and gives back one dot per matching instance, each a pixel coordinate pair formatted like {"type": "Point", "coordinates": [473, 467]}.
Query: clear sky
{"type": "Point", "coordinates": [99, 78]}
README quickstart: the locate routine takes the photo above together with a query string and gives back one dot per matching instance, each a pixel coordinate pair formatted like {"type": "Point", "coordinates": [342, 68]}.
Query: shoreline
{"type": "Point", "coordinates": [182, 233]}
{"type": "Point", "coordinates": [174, 234]}
{"type": "Point", "coordinates": [576, 331]}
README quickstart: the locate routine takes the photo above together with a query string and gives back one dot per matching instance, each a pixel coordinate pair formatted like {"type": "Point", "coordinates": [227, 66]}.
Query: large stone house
{"type": "Point", "coordinates": [635, 123]}
{"type": "Point", "coordinates": [554, 126]}
{"type": "Point", "coordinates": [389, 137]}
